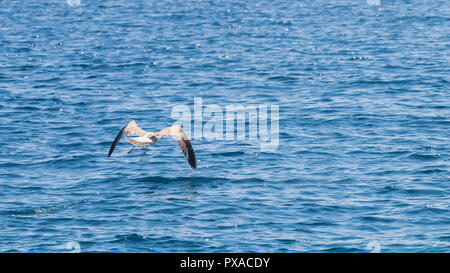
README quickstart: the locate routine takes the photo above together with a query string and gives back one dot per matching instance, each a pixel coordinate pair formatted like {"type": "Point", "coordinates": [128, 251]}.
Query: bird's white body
{"type": "Point", "coordinates": [139, 141]}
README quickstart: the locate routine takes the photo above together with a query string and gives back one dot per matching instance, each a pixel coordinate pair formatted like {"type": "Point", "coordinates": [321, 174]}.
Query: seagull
{"type": "Point", "coordinates": [150, 138]}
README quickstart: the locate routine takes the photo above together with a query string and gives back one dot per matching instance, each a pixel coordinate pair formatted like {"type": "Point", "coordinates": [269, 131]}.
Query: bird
{"type": "Point", "coordinates": [150, 138]}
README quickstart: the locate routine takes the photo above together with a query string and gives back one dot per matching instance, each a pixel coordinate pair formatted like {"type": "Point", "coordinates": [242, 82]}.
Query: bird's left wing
{"type": "Point", "coordinates": [183, 141]}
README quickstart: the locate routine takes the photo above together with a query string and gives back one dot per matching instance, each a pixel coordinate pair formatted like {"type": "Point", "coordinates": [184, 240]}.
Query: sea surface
{"type": "Point", "coordinates": [362, 163]}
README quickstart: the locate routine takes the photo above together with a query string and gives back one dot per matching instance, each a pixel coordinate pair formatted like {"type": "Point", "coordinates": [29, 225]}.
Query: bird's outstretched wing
{"type": "Point", "coordinates": [185, 144]}
{"type": "Point", "coordinates": [131, 129]}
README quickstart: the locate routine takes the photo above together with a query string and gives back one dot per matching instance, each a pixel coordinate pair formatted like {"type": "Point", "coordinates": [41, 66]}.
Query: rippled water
{"type": "Point", "coordinates": [363, 95]}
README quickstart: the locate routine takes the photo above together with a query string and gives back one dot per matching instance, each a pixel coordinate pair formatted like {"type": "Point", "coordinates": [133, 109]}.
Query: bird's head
{"type": "Point", "coordinates": [153, 138]}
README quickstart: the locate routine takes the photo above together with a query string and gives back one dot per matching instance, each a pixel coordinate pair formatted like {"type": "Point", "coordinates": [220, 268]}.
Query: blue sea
{"type": "Point", "coordinates": [362, 161]}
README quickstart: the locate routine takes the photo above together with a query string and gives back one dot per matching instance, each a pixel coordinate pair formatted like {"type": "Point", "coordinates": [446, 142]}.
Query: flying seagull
{"type": "Point", "coordinates": [150, 138]}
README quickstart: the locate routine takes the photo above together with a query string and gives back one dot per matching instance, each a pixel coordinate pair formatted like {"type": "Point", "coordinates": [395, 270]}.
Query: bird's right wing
{"type": "Point", "coordinates": [132, 129]}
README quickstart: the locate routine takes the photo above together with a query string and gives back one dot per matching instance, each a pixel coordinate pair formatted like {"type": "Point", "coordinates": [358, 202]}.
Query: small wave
{"type": "Point", "coordinates": [163, 180]}
{"type": "Point", "coordinates": [426, 192]}
{"type": "Point", "coordinates": [373, 219]}
{"type": "Point", "coordinates": [222, 211]}
{"type": "Point", "coordinates": [429, 209]}
{"type": "Point", "coordinates": [312, 152]}
{"type": "Point", "coordinates": [285, 79]}
{"type": "Point", "coordinates": [388, 189]}
{"type": "Point", "coordinates": [424, 157]}
{"type": "Point", "coordinates": [133, 237]}
{"type": "Point", "coordinates": [338, 249]}
{"type": "Point", "coordinates": [65, 161]}
{"type": "Point", "coordinates": [197, 179]}
{"type": "Point", "coordinates": [430, 171]}
{"type": "Point", "coordinates": [444, 238]}
{"type": "Point", "coordinates": [239, 153]}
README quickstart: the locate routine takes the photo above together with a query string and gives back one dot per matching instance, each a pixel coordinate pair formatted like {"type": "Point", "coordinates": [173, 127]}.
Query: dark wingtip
{"type": "Point", "coordinates": [116, 140]}
{"type": "Point", "coordinates": [190, 155]}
